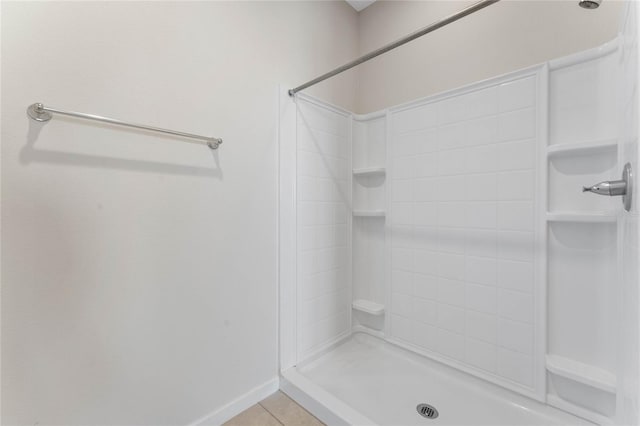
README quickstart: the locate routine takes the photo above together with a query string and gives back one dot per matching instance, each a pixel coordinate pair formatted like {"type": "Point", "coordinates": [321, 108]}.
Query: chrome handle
{"type": "Point", "coordinates": [614, 188]}
{"type": "Point", "coordinates": [611, 188]}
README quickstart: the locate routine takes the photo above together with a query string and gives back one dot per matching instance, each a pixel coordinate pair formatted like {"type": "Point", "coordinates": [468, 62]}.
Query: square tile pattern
{"type": "Point", "coordinates": [323, 210]}
{"type": "Point", "coordinates": [276, 410]}
{"type": "Point", "coordinates": [462, 204]}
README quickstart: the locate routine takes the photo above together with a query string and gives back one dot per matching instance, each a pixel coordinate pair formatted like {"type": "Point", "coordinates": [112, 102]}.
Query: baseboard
{"type": "Point", "coordinates": [239, 404]}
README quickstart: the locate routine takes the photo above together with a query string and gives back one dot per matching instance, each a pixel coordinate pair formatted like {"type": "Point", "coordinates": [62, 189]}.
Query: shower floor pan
{"type": "Point", "coordinates": [367, 381]}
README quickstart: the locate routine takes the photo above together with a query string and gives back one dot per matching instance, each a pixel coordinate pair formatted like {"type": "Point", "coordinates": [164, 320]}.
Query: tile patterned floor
{"type": "Point", "coordinates": [276, 410]}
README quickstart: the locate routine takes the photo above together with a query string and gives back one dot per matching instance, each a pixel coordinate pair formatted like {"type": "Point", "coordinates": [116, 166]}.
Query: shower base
{"type": "Point", "coordinates": [365, 380]}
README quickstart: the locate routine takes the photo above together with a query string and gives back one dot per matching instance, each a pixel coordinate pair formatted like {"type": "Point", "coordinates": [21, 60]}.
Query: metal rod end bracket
{"type": "Point", "coordinates": [38, 113]}
{"type": "Point", "coordinates": [215, 143]}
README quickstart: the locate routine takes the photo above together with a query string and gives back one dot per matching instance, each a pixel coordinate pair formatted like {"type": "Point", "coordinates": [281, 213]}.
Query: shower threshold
{"type": "Point", "coordinates": [367, 381]}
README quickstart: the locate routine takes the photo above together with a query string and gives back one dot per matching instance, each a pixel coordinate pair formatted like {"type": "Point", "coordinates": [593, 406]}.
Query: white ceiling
{"type": "Point", "coordinates": [360, 4]}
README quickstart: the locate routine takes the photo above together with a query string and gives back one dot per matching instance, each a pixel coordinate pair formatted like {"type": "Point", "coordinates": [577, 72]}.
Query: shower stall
{"type": "Point", "coordinates": [439, 259]}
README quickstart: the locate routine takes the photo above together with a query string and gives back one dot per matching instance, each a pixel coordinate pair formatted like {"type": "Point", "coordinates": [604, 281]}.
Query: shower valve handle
{"type": "Point", "coordinates": [622, 187]}
{"type": "Point", "coordinates": [612, 188]}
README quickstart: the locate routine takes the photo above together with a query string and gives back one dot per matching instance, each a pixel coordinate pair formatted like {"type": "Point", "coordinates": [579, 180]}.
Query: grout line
{"type": "Point", "coordinates": [293, 402]}
{"type": "Point", "coordinates": [301, 407]}
{"type": "Point", "coordinates": [270, 413]}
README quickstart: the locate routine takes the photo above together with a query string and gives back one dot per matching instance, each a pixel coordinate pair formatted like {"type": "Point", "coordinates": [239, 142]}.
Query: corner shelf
{"type": "Point", "coordinates": [586, 148]}
{"type": "Point", "coordinates": [368, 307]}
{"type": "Point", "coordinates": [582, 217]}
{"type": "Point", "coordinates": [369, 171]}
{"type": "Point", "coordinates": [368, 230]}
{"type": "Point", "coordinates": [581, 373]}
{"type": "Point", "coordinates": [369, 213]}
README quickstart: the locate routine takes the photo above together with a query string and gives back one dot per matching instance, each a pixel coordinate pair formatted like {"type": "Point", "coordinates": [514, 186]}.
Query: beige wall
{"type": "Point", "coordinates": [506, 36]}
{"type": "Point", "coordinates": [139, 273]}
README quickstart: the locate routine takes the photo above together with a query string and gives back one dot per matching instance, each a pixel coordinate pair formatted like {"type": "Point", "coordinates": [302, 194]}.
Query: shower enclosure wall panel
{"type": "Point", "coordinates": [582, 97]}
{"type": "Point", "coordinates": [583, 245]}
{"type": "Point", "coordinates": [323, 225]}
{"type": "Point", "coordinates": [369, 141]}
{"type": "Point", "coordinates": [628, 387]}
{"type": "Point", "coordinates": [465, 231]}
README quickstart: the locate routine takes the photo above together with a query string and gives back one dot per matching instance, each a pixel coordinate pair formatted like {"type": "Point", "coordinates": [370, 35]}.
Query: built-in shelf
{"type": "Point", "coordinates": [368, 171]}
{"type": "Point", "coordinates": [368, 307]}
{"type": "Point", "coordinates": [581, 217]}
{"type": "Point", "coordinates": [369, 213]}
{"type": "Point", "coordinates": [587, 148]}
{"type": "Point", "coordinates": [581, 373]}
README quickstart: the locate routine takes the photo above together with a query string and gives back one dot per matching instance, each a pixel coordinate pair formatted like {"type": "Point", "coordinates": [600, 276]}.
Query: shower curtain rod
{"type": "Point", "coordinates": [384, 49]}
{"type": "Point", "coordinates": [39, 112]}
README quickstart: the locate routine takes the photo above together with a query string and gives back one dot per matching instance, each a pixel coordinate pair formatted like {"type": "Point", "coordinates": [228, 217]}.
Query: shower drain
{"type": "Point", "coordinates": [428, 411]}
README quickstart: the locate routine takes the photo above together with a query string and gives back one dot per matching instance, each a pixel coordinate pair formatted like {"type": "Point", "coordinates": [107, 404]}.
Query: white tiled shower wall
{"type": "Point", "coordinates": [463, 208]}
{"type": "Point", "coordinates": [323, 213]}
